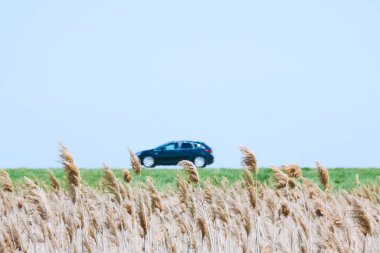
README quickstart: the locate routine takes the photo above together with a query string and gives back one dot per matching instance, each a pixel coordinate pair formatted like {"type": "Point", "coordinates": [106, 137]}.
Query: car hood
{"type": "Point", "coordinates": [144, 151]}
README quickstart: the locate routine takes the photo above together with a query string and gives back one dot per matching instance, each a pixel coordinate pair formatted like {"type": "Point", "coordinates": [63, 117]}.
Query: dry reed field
{"type": "Point", "coordinates": [293, 215]}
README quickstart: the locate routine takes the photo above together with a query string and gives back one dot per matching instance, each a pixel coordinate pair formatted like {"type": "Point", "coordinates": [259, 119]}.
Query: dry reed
{"type": "Point", "coordinates": [249, 160]}
{"type": "Point", "coordinates": [6, 181]}
{"type": "Point", "coordinates": [290, 215]}
{"type": "Point", "coordinates": [127, 176]}
{"type": "Point", "coordinates": [191, 170]}
{"type": "Point", "coordinates": [135, 162]}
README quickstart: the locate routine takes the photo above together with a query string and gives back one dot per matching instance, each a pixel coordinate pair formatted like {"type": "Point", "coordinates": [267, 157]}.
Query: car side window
{"type": "Point", "coordinates": [197, 145]}
{"type": "Point", "coordinates": [186, 145]}
{"type": "Point", "coordinates": [171, 146]}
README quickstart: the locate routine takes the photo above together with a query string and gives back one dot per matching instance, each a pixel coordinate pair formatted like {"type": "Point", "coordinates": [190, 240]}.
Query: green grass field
{"type": "Point", "coordinates": [342, 178]}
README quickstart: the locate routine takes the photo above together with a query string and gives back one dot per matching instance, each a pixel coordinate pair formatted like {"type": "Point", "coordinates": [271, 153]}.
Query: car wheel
{"type": "Point", "coordinates": [199, 162]}
{"type": "Point", "coordinates": [148, 161]}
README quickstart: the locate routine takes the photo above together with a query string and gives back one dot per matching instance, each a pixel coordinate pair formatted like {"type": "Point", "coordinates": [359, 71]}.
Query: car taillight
{"type": "Point", "coordinates": [209, 151]}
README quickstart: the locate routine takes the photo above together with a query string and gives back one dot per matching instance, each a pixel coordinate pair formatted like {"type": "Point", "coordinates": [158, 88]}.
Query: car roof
{"type": "Point", "coordinates": [193, 142]}
{"type": "Point", "coordinates": [189, 141]}
{"type": "Point", "coordinates": [198, 142]}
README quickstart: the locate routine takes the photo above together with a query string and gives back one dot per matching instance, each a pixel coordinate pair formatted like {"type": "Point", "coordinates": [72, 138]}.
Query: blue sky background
{"type": "Point", "coordinates": [295, 81]}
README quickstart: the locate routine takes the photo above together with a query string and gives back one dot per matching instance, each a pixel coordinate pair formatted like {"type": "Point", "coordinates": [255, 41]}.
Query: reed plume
{"type": "Point", "coordinates": [143, 217]}
{"type": "Point", "coordinates": [336, 219]}
{"type": "Point", "coordinates": [334, 243]}
{"type": "Point", "coordinates": [71, 170]}
{"type": "Point", "coordinates": [112, 229]}
{"type": "Point", "coordinates": [14, 236]}
{"type": "Point", "coordinates": [323, 173]}
{"type": "Point", "coordinates": [247, 223]}
{"type": "Point", "coordinates": [191, 170]}
{"type": "Point", "coordinates": [249, 182]}
{"type": "Point", "coordinates": [285, 210]}
{"type": "Point", "coordinates": [292, 170]}
{"type": "Point", "coordinates": [208, 191]}
{"type": "Point", "coordinates": [87, 245]}
{"type": "Point", "coordinates": [154, 194]}
{"type": "Point", "coordinates": [127, 176]}
{"type": "Point", "coordinates": [110, 182]}
{"type": "Point", "coordinates": [362, 218]}
{"type": "Point", "coordinates": [34, 196]}
{"type": "Point", "coordinates": [319, 208]}
{"type": "Point", "coordinates": [17, 239]}
{"type": "Point", "coordinates": [8, 242]}
{"type": "Point", "coordinates": [252, 196]}
{"type": "Point", "coordinates": [135, 162]}
{"type": "Point", "coordinates": [54, 183]}
{"type": "Point", "coordinates": [248, 160]}
{"type": "Point", "coordinates": [6, 181]}
{"type": "Point", "coordinates": [183, 189]}
{"type": "Point", "coordinates": [170, 244]}
{"type": "Point", "coordinates": [282, 180]}
{"type": "Point", "coordinates": [203, 227]}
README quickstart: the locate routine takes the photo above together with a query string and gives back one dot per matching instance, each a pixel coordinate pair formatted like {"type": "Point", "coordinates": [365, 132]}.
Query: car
{"type": "Point", "coordinates": [172, 153]}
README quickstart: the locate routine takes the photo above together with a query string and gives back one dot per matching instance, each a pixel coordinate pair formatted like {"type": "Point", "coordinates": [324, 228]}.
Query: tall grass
{"type": "Point", "coordinates": [290, 214]}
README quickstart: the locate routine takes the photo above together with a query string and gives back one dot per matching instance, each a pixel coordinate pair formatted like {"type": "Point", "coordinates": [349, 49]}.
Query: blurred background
{"type": "Point", "coordinates": [295, 81]}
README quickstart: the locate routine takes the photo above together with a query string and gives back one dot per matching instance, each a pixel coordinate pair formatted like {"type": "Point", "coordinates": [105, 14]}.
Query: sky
{"type": "Point", "coordinates": [294, 81]}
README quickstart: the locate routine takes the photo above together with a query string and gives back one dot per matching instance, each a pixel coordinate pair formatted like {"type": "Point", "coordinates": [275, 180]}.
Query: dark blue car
{"type": "Point", "coordinates": [173, 152]}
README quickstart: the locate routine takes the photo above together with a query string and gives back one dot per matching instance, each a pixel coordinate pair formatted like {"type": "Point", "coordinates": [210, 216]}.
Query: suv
{"type": "Point", "coordinates": [172, 153]}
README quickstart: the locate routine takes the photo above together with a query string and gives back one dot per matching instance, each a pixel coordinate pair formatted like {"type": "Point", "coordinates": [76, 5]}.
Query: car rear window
{"type": "Point", "coordinates": [202, 145]}
{"type": "Point", "coordinates": [186, 145]}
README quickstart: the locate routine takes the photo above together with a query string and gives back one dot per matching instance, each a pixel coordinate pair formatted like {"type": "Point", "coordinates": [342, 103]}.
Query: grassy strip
{"type": "Point", "coordinates": [342, 178]}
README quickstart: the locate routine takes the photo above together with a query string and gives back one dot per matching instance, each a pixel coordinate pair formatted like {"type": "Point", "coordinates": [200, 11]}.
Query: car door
{"type": "Point", "coordinates": [167, 154]}
{"type": "Point", "coordinates": [185, 151]}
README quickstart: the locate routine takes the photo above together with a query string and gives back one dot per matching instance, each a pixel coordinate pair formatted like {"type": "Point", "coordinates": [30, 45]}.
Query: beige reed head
{"type": "Point", "coordinates": [72, 171]}
{"type": "Point", "coordinates": [135, 162]}
{"type": "Point", "coordinates": [191, 170]}
{"type": "Point", "coordinates": [248, 160]}
{"type": "Point", "coordinates": [6, 181]}
{"type": "Point", "coordinates": [127, 176]}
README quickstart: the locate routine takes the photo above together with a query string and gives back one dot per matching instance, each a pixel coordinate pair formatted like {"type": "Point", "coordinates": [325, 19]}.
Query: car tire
{"type": "Point", "coordinates": [148, 161]}
{"type": "Point", "coordinates": [200, 162]}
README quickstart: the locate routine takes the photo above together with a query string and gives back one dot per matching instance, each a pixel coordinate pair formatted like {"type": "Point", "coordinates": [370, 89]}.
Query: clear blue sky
{"type": "Point", "coordinates": [295, 81]}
